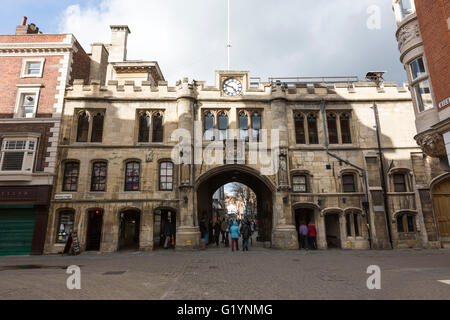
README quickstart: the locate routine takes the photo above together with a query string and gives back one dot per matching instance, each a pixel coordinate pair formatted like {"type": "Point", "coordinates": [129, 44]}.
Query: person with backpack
{"type": "Point", "coordinates": [246, 234]}
{"type": "Point", "coordinates": [235, 234]}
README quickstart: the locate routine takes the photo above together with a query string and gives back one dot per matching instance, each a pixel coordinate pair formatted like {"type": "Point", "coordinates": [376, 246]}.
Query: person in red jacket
{"type": "Point", "coordinates": [312, 233]}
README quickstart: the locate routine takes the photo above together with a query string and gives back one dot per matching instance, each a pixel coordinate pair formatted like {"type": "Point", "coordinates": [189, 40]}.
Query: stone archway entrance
{"type": "Point", "coordinates": [210, 182]}
{"type": "Point", "coordinates": [130, 224]}
{"type": "Point", "coordinates": [333, 230]}
{"type": "Point", "coordinates": [441, 205]}
{"type": "Point", "coordinates": [164, 220]}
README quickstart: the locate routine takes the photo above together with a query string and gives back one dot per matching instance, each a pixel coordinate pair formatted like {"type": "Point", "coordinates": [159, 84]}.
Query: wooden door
{"type": "Point", "coordinates": [441, 204]}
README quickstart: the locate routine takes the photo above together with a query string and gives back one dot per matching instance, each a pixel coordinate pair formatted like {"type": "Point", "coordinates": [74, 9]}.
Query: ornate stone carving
{"type": "Point", "coordinates": [282, 172]}
{"type": "Point", "coordinates": [406, 34]}
{"type": "Point", "coordinates": [432, 144]}
{"type": "Point", "coordinates": [149, 156]}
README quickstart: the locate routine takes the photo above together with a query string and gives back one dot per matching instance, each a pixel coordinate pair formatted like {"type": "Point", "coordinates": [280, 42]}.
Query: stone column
{"type": "Point", "coordinates": [321, 231]}
{"type": "Point", "coordinates": [188, 235]}
{"type": "Point", "coordinates": [284, 235]}
{"type": "Point", "coordinates": [146, 229]}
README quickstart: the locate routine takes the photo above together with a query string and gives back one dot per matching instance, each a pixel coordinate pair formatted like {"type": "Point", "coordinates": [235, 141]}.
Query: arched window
{"type": "Point", "coordinates": [300, 136]}
{"type": "Point", "coordinates": [406, 223]}
{"type": "Point", "coordinates": [223, 126]}
{"type": "Point", "coordinates": [312, 129]}
{"type": "Point", "coordinates": [157, 128]}
{"type": "Point", "coordinates": [98, 179]}
{"type": "Point", "coordinates": [353, 221]}
{"type": "Point", "coordinates": [71, 172]}
{"type": "Point", "coordinates": [65, 225]}
{"type": "Point", "coordinates": [349, 182]}
{"type": "Point", "coordinates": [209, 127]}
{"type": "Point", "coordinates": [132, 176]}
{"type": "Point", "coordinates": [144, 128]}
{"type": "Point", "coordinates": [83, 127]}
{"type": "Point", "coordinates": [166, 176]}
{"type": "Point", "coordinates": [332, 128]}
{"type": "Point", "coordinates": [256, 127]}
{"type": "Point", "coordinates": [97, 128]}
{"type": "Point", "coordinates": [399, 180]}
{"type": "Point", "coordinates": [243, 126]}
{"type": "Point", "coordinates": [345, 128]}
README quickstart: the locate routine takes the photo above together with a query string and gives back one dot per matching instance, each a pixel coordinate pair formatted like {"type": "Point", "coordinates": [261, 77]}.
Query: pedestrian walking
{"type": "Point", "coordinates": [224, 228]}
{"type": "Point", "coordinates": [246, 234]}
{"type": "Point", "coordinates": [217, 230]}
{"type": "Point", "coordinates": [303, 232]}
{"type": "Point", "coordinates": [167, 233]}
{"type": "Point", "coordinates": [312, 233]}
{"type": "Point", "coordinates": [235, 234]}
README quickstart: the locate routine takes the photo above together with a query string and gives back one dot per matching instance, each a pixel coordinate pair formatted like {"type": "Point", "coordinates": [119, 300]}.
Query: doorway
{"type": "Point", "coordinates": [303, 216]}
{"type": "Point", "coordinates": [130, 224]}
{"type": "Point", "coordinates": [332, 230]}
{"type": "Point", "coordinates": [441, 205]}
{"type": "Point", "coordinates": [164, 220]}
{"type": "Point", "coordinates": [94, 230]}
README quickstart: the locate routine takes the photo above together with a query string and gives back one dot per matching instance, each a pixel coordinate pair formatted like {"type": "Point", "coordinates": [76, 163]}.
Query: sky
{"type": "Point", "coordinates": [269, 38]}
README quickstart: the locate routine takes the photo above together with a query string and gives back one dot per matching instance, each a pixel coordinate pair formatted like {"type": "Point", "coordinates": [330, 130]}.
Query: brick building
{"type": "Point", "coordinates": [423, 37]}
{"type": "Point", "coordinates": [137, 154]}
{"type": "Point", "coordinates": [35, 69]}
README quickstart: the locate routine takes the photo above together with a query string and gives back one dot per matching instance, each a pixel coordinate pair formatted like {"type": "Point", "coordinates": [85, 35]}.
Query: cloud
{"type": "Point", "coordinates": [269, 38]}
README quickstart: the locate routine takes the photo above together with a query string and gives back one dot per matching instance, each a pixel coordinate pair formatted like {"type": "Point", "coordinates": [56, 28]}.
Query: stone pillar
{"type": "Point", "coordinates": [321, 231]}
{"type": "Point", "coordinates": [284, 235]}
{"type": "Point", "coordinates": [188, 234]}
{"type": "Point", "coordinates": [146, 229]}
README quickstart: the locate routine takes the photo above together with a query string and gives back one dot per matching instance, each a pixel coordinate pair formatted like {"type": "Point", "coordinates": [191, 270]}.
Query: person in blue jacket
{"type": "Point", "coordinates": [235, 234]}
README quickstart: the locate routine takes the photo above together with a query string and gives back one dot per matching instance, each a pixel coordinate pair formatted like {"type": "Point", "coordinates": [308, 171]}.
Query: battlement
{"type": "Point", "coordinates": [358, 90]}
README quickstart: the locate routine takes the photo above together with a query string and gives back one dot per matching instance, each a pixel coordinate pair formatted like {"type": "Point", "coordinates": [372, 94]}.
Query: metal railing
{"type": "Point", "coordinates": [254, 81]}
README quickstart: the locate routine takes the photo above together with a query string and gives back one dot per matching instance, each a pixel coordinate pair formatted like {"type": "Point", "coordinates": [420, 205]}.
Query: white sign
{"type": "Point", "coordinates": [444, 103]}
{"type": "Point", "coordinates": [63, 196]}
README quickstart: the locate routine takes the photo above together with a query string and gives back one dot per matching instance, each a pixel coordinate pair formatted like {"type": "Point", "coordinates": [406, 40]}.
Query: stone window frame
{"type": "Point", "coordinates": [309, 179]}
{"type": "Point", "coordinates": [63, 174]}
{"type": "Point", "coordinates": [408, 179]}
{"type": "Point", "coordinates": [338, 114]}
{"type": "Point", "coordinates": [160, 162]}
{"type": "Point", "coordinates": [26, 62]}
{"type": "Point", "coordinates": [151, 113]}
{"type": "Point", "coordinates": [91, 175]}
{"type": "Point", "coordinates": [215, 113]}
{"type": "Point", "coordinates": [418, 80]}
{"type": "Point", "coordinates": [90, 112]}
{"type": "Point", "coordinates": [249, 113]}
{"type": "Point", "coordinates": [21, 92]}
{"type": "Point", "coordinates": [358, 214]}
{"type": "Point", "coordinates": [403, 216]}
{"type": "Point", "coordinates": [306, 115]}
{"type": "Point", "coordinates": [357, 179]}
{"type": "Point", "coordinates": [125, 164]}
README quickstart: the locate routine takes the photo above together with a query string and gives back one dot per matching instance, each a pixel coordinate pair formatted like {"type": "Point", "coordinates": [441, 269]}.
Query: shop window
{"type": "Point", "coordinates": [71, 172]}
{"type": "Point", "coordinates": [65, 226]}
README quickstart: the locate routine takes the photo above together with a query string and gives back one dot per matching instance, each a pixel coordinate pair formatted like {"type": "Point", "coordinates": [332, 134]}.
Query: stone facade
{"type": "Point", "coordinates": [349, 216]}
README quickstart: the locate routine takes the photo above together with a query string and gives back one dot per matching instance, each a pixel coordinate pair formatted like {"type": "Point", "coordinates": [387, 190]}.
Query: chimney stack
{"type": "Point", "coordinates": [24, 21]}
{"type": "Point", "coordinates": [25, 28]}
{"type": "Point", "coordinates": [118, 49]}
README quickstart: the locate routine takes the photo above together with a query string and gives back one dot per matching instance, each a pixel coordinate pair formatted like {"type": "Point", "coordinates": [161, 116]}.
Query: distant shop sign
{"type": "Point", "coordinates": [63, 196]}
{"type": "Point", "coordinates": [444, 103]}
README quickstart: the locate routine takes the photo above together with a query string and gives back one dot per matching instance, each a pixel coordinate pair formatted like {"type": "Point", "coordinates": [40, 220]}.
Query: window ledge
{"type": "Point", "coordinates": [16, 176]}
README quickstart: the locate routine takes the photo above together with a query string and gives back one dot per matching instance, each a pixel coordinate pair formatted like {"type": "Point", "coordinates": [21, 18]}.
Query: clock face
{"type": "Point", "coordinates": [232, 87]}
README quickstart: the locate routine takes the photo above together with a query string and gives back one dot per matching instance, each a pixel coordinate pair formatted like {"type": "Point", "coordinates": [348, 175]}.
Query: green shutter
{"type": "Point", "coordinates": [16, 231]}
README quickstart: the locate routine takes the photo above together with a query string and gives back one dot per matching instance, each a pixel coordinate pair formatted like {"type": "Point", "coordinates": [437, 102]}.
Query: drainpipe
{"type": "Point", "coordinates": [383, 177]}
{"type": "Point", "coordinates": [195, 107]}
{"type": "Point", "coordinates": [364, 174]}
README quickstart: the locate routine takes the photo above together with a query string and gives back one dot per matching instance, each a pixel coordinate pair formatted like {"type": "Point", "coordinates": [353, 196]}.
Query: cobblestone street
{"type": "Point", "coordinates": [222, 274]}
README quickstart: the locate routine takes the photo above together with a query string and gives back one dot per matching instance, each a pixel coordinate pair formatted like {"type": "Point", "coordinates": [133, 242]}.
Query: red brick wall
{"type": "Point", "coordinates": [10, 71]}
{"type": "Point", "coordinates": [81, 65]}
{"type": "Point", "coordinates": [432, 16]}
{"type": "Point", "coordinates": [41, 128]}
{"type": "Point", "coordinates": [32, 38]}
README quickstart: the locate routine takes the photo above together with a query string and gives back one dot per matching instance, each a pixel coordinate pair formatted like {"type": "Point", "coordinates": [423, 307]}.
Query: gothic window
{"type": "Point", "coordinates": [312, 129]}
{"type": "Point", "coordinates": [209, 127]}
{"type": "Point", "coordinates": [157, 128]}
{"type": "Point", "coordinates": [132, 176]}
{"type": "Point", "coordinates": [144, 128]}
{"type": "Point", "coordinates": [243, 126]}
{"type": "Point", "coordinates": [345, 128]}
{"type": "Point", "coordinates": [166, 176]}
{"type": "Point", "coordinates": [223, 126]}
{"type": "Point", "coordinates": [300, 135]}
{"type": "Point", "coordinates": [332, 128]}
{"type": "Point", "coordinates": [83, 127]}
{"type": "Point", "coordinates": [256, 127]}
{"type": "Point", "coordinates": [98, 179]}
{"type": "Point", "coordinates": [348, 182]}
{"type": "Point", "coordinates": [97, 128]}
{"type": "Point", "coordinates": [71, 172]}
{"type": "Point", "coordinates": [353, 224]}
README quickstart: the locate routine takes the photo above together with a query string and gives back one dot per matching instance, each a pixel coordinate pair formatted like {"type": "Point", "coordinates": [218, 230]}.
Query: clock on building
{"type": "Point", "coordinates": [232, 87]}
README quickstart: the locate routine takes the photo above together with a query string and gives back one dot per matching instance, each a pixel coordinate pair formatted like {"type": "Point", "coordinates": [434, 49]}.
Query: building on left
{"type": "Point", "coordinates": [36, 68]}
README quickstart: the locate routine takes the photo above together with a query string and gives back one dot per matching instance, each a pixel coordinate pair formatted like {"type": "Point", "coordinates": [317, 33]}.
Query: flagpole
{"type": "Point", "coordinates": [228, 41]}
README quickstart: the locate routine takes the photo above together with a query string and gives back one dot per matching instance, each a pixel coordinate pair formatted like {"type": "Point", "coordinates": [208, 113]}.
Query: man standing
{"type": "Point", "coordinates": [312, 233]}
{"type": "Point", "coordinates": [303, 231]}
{"type": "Point", "coordinates": [246, 234]}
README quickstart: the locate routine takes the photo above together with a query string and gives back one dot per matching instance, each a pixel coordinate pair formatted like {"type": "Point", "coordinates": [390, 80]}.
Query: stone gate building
{"type": "Point", "coordinates": [135, 152]}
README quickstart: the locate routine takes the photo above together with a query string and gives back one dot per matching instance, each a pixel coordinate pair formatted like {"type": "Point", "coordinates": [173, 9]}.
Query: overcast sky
{"type": "Point", "coordinates": [269, 38]}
